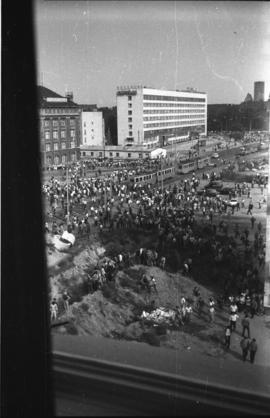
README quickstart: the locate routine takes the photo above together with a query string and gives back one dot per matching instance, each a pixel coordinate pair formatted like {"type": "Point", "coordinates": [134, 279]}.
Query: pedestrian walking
{"type": "Point", "coordinates": [253, 350]}
{"type": "Point", "coordinates": [245, 326]}
{"type": "Point", "coordinates": [253, 307]}
{"type": "Point", "coordinates": [250, 207]}
{"type": "Point", "coordinates": [252, 220]}
{"type": "Point", "coordinates": [244, 344]}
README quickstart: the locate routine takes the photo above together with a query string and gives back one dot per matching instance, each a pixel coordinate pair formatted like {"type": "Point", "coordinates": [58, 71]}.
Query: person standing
{"type": "Point", "coordinates": [244, 344]}
{"type": "Point", "coordinates": [245, 325]}
{"type": "Point", "coordinates": [253, 350]}
{"type": "Point", "coordinates": [212, 314]}
{"type": "Point", "coordinates": [228, 336]}
{"type": "Point", "coordinates": [233, 319]}
{"type": "Point", "coordinates": [200, 305]}
{"type": "Point", "coordinates": [233, 307]}
{"type": "Point", "coordinates": [54, 309]}
{"type": "Point", "coordinates": [188, 312]}
{"type": "Point", "coordinates": [66, 299]}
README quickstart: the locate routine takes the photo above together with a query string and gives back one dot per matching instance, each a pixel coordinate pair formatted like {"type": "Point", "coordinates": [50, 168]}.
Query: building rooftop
{"type": "Point", "coordinates": [88, 107]}
{"type": "Point", "coordinates": [134, 87]}
{"type": "Point", "coordinates": [48, 98]}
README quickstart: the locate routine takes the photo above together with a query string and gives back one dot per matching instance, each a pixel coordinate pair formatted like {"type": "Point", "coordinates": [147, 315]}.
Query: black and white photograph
{"type": "Point", "coordinates": [152, 137]}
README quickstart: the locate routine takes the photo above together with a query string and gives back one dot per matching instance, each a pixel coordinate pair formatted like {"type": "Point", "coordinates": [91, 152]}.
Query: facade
{"type": "Point", "coordinates": [114, 151]}
{"type": "Point", "coordinates": [60, 127]}
{"type": "Point", "coordinates": [153, 118]}
{"type": "Point", "coordinates": [92, 126]}
{"type": "Point", "coordinates": [258, 91]}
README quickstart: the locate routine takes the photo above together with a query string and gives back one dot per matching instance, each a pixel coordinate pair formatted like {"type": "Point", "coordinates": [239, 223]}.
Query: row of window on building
{"type": "Point", "coordinates": [178, 111]}
{"type": "Point", "coordinates": [63, 145]}
{"type": "Point", "coordinates": [55, 134]}
{"type": "Point", "coordinates": [59, 159]}
{"type": "Point", "coordinates": [172, 98]}
{"type": "Point", "coordinates": [174, 117]}
{"type": "Point", "coordinates": [112, 154]}
{"type": "Point", "coordinates": [182, 122]}
{"type": "Point", "coordinates": [60, 110]}
{"type": "Point", "coordinates": [58, 122]}
{"type": "Point", "coordinates": [178, 105]}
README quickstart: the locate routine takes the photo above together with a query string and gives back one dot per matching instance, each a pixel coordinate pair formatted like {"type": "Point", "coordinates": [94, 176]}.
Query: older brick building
{"type": "Point", "coordinates": [60, 127]}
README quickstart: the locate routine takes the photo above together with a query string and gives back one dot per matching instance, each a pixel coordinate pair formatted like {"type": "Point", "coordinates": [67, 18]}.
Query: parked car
{"type": "Point", "coordinates": [215, 184]}
{"type": "Point", "coordinates": [231, 203]}
{"type": "Point", "coordinates": [215, 155]}
{"type": "Point", "coordinates": [211, 192]}
{"type": "Point", "coordinates": [227, 190]}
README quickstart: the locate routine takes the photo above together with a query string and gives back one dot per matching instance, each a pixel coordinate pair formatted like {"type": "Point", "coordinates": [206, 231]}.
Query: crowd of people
{"type": "Point", "coordinates": [189, 223]}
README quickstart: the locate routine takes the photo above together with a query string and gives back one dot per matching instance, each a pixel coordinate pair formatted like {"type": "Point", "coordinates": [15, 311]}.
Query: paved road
{"type": "Point", "coordinates": [229, 370]}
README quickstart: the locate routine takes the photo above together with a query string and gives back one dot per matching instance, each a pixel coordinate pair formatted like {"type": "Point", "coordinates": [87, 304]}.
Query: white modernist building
{"type": "Point", "coordinates": [92, 126]}
{"type": "Point", "coordinates": [154, 118]}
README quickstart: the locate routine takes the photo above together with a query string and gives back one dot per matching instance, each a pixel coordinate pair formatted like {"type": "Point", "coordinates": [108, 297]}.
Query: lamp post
{"type": "Point", "coordinates": [67, 199]}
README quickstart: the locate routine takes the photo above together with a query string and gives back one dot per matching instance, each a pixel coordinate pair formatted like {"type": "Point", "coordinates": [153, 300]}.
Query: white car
{"type": "Point", "coordinates": [64, 242]}
{"type": "Point", "coordinates": [215, 155]}
{"type": "Point", "coordinates": [232, 203]}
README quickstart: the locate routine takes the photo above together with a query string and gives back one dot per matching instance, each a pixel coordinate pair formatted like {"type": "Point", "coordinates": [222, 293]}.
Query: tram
{"type": "Point", "coordinates": [193, 165]}
{"type": "Point", "coordinates": [153, 178]}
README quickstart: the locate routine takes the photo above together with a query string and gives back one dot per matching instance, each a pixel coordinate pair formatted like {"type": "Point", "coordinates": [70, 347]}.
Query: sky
{"type": "Point", "coordinates": [91, 47]}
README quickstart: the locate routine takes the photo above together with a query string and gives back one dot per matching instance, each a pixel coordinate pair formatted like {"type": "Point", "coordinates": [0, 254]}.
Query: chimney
{"type": "Point", "coordinates": [69, 96]}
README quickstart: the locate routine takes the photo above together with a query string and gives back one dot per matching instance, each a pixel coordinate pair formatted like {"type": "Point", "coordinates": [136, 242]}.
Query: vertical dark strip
{"type": "Point", "coordinates": [26, 351]}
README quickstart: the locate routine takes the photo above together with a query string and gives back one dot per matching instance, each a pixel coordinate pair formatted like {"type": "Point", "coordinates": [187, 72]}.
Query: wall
{"type": "Point", "coordinates": [92, 128]}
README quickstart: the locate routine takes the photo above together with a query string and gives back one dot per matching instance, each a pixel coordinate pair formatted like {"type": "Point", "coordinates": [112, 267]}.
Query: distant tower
{"type": "Point", "coordinates": [258, 91]}
{"type": "Point", "coordinates": [248, 98]}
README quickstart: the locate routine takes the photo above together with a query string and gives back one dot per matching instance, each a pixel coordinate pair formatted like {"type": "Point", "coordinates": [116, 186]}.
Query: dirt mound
{"type": "Point", "coordinates": [115, 311]}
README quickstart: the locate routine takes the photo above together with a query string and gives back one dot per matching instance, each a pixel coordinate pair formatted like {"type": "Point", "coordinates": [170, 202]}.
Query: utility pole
{"type": "Point", "coordinates": [110, 188]}
{"type": "Point", "coordinates": [67, 199]}
{"type": "Point", "coordinates": [105, 194]}
{"type": "Point", "coordinates": [161, 175]}
{"type": "Point", "coordinates": [198, 156]}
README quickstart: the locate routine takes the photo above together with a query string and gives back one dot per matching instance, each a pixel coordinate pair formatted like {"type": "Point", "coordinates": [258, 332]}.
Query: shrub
{"type": "Point", "coordinates": [71, 328]}
{"type": "Point", "coordinates": [150, 338]}
{"type": "Point", "coordinates": [108, 290]}
{"type": "Point", "coordinates": [128, 282]}
{"type": "Point", "coordinates": [84, 307]}
{"type": "Point", "coordinates": [77, 292]}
